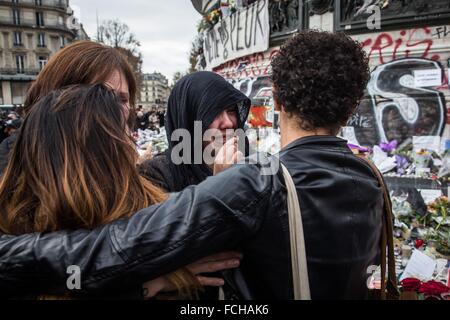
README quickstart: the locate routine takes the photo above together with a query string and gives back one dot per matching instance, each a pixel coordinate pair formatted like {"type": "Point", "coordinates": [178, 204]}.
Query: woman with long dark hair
{"type": "Point", "coordinates": [73, 165]}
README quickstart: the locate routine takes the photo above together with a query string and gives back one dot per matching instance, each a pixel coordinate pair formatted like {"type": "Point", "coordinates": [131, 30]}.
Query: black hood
{"type": "Point", "coordinates": [200, 96]}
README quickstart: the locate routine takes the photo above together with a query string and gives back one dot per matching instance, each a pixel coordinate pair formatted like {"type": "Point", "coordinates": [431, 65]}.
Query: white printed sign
{"type": "Point", "coordinates": [431, 143]}
{"type": "Point", "coordinates": [348, 133]}
{"type": "Point", "coordinates": [427, 78]}
{"type": "Point", "coordinates": [429, 195]}
{"type": "Point", "coordinates": [420, 266]}
{"type": "Point", "coordinates": [243, 33]}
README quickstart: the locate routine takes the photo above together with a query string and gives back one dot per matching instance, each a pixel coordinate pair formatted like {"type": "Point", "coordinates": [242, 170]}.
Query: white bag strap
{"type": "Point", "coordinates": [297, 239]}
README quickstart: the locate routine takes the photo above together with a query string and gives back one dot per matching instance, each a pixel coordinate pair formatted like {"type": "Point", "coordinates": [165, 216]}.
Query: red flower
{"type": "Point", "coordinates": [433, 288]}
{"type": "Point", "coordinates": [419, 243]}
{"type": "Point", "coordinates": [411, 284]}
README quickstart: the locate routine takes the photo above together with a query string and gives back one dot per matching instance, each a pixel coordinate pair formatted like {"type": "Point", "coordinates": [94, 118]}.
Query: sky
{"type": "Point", "coordinates": [164, 28]}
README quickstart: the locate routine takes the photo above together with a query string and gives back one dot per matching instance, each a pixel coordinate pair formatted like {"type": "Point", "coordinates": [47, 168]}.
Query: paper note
{"type": "Point", "coordinates": [348, 133]}
{"type": "Point", "coordinates": [427, 78]}
{"type": "Point", "coordinates": [430, 195]}
{"type": "Point", "coordinates": [420, 266]}
{"type": "Point", "coordinates": [432, 143]}
{"type": "Point", "coordinates": [382, 161]}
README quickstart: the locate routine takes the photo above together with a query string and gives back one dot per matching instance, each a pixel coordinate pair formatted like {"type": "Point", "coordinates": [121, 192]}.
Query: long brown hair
{"type": "Point", "coordinates": [73, 165]}
{"type": "Point", "coordinates": [82, 62]}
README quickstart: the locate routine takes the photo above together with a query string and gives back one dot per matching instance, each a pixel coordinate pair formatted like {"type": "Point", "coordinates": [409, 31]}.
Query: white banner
{"type": "Point", "coordinates": [243, 33]}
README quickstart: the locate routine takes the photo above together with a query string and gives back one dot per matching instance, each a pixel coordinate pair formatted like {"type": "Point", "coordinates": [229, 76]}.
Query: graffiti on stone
{"type": "Point", "coordinates": [395, 109]}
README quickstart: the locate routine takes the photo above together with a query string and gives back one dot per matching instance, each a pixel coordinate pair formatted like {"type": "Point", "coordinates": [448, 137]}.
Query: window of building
{"type": "Point", "coordinates": [17, 38]}
{"type": "Point", "coordinates": [42, 61]}
{"type": "Point", "coordinates": [16, 16]}
{"type": "Point", "coordinates": [41, 40]}
{"type": "Point", "coordinates": [38, 2]}
{"type": "Point", "coordinates": [40, 19]}
{"type": "Point", "coordinates": [15, 1]}
{"type": "Point", "coordinates": [20, 63]}
{"type": "Point", "coordinates": [62, 41]}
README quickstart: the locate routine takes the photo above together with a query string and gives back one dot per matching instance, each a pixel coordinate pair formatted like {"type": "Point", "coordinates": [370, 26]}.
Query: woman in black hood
{"type": "Point", "coordinates": [201, 96]}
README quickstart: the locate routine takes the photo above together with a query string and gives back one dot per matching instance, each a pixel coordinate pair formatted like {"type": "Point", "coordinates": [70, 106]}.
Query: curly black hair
{"type": "Point", "coordinates": [319, 78]}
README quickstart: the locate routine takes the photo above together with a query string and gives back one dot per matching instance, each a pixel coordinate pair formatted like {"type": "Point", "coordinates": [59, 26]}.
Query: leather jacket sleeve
{"type": "Point", "coordinates": [213, 216]}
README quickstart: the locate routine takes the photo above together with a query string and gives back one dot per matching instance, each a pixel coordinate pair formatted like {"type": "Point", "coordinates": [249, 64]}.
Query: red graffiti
{"type": "Point", "coordinates": [257, 117]}
{"type": "Point", "coordinates": [389, 49]}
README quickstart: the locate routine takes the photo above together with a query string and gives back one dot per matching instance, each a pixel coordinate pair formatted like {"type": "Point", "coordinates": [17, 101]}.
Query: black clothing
{"type": "Point", "coordinates": [143, 122]}
{"type": "Point", "coordinates": [200, 96]}
{"type": "Point", "coordinates": [161, 117]}
{"type": "Point", "coordinates": [342, 207]}
{"type": "Point", "coordinates": [157, 170]}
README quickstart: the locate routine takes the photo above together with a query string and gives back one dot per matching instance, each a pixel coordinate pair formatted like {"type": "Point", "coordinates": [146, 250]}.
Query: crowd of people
{"type": "Point", "coordinates": [72, 193]}
{"type": "Point", "coordinates": [149, 118]}
{"type": "Point", "coordinates": [10, 123]}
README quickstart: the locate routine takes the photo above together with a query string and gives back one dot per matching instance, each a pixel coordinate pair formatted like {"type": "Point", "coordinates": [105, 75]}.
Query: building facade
{"type": "Point", "coordinates": [31, 31]}
{"type": "Point", "coordinates": [154, 90]}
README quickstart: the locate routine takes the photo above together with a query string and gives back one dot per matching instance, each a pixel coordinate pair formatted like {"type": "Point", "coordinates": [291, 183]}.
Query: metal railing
{"type": "Point", "coordinates": [24, 71]}
{"type": "Point", "coordinates": [33, 23]}
{"type": "Point", "coordinates": [60, 4]}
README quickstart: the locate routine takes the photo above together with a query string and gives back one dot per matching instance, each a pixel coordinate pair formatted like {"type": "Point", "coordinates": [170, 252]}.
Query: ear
{"type": "Point", "coordinates": [276, 104]}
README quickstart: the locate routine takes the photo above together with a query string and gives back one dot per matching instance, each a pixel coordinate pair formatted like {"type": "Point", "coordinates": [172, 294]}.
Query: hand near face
{"type": "Point", "coordinates": [227, 156]}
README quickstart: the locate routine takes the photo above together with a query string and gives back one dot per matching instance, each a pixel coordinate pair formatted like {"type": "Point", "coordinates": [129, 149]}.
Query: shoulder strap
{"type": "Point", "coordinates": [387, 240]}
{"type": "Point", "coordinates": [297, 239]}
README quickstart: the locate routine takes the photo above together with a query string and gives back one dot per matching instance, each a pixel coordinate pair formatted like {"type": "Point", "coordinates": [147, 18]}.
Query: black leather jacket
{"type": "Point", "coordinates": [241, 208]}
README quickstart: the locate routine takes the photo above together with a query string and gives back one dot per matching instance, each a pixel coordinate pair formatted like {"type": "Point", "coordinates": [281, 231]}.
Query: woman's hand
{"type": "Point", "coordinates": [211, 264]}
{"type": "Point", "coordinates": [227, 156]}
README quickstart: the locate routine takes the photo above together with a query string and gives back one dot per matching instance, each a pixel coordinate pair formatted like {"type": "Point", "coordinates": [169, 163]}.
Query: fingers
{"type": "Point", "coordinates": [227, 152]}
{"type": "Point", "coordinates": [210, 282]}
{"type": "Point", "coordinates": [238, 156]}
{"type": "Point", "coordinates": [211, 267]}
{"type": "Point", "coordinates": [152, 288]}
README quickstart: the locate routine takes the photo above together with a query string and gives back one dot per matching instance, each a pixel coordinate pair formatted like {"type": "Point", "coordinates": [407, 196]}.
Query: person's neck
{"type": "Point", "coordinates": [290, 131]}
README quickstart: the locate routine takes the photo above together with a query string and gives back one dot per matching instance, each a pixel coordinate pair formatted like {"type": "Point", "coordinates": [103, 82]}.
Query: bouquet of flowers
{"type": "Point", "coordinates": [225, 9]}
{"type": "Point", "coordinates": [415, 289]}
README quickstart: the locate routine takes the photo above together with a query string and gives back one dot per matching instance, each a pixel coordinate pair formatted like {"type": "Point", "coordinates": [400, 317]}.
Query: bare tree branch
{"type": "Point", "coordinates": [117, 34]}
